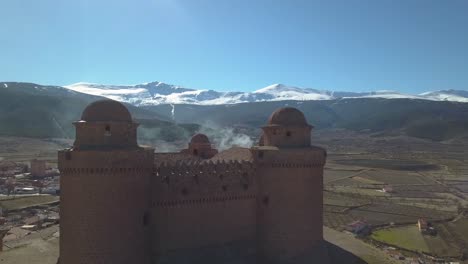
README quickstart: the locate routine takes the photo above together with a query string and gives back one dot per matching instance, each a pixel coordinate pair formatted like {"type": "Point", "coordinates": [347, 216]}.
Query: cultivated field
{"type": "Point", "coordinates": [421, 179]}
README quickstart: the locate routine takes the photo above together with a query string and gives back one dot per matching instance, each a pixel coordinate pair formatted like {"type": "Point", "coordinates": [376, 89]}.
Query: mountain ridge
{"type": "Point", "coordinates": [156, 93]}
{"type": "Point", "coordinates": [33, 110]}
{"type": "Point", "coordinates": [40, 111]}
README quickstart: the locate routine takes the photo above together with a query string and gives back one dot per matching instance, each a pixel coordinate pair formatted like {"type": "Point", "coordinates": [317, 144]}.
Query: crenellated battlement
{"type": "Point", "coordinates": [105, 170]}
{"type": "Point", "coordinates": [183, 179]}
{"type": "Point", "coordinates": [280, 164]}
{"type": "Point", "coordinates": [200, 197]}
{"type": "Point", "coordinates": [122, 203]}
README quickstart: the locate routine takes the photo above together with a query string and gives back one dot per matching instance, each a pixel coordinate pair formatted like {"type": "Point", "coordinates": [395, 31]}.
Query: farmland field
{"type": "Point", "coordinates": [15, 203]}
{"type": "Point", "coordinates": [428, 181]}
{"type": "Point", "coordinates": [391, 164]}
{"type": "Point", "coordinates": [420, 189]}
{"type": "Point", "coordinates": [407, 237]}
{"type": "Point", "coordinates": [332, 174]}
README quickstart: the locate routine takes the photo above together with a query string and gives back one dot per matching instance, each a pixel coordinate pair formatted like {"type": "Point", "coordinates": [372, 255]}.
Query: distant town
{"type": "Point", "coordinates": [29, 199]}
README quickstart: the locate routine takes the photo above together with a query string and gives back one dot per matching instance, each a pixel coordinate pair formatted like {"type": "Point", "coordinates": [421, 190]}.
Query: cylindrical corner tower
{"type": "Point", "coordinates": [290, 175]}
{"type": "Point", "coordinates": [105, 192]}
{"type": "Point", "coordinates": [200, 146]}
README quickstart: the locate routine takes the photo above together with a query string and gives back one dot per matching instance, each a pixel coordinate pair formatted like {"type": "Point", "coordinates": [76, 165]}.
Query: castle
{"type": "Point", "coordinates": [122, 204]}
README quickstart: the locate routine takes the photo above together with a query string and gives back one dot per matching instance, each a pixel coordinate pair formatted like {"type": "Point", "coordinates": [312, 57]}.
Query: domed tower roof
{"type": "Point", "coordinates": [287, 116]}
{"type": "Point", "coordinates": [106, 111]}
{"type": "Point", "coordinates": [287, 127]}
{"type": "Point", "coordinates": [200, 139]}
{"type": "Point", "coordinates": [105, 124]}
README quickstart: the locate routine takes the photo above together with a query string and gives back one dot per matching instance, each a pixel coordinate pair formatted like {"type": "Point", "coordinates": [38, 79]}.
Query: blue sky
{"type": "Point", "coordinates": [352, 45]}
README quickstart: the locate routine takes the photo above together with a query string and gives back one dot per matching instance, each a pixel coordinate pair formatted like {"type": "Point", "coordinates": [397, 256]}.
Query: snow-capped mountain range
{"type": "Point", "coordinates": [156, 93]}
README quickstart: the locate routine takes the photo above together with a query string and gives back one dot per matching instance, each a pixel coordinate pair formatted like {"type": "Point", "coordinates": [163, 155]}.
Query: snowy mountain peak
{"type": "Point", "coordinates": [154, 93]}
{"type": "Point", "coordinates": [385, 92]}
{"type": "Point", "coordinates": [447, 95]}
{"type": "Point", "coordinates": [277, 88]}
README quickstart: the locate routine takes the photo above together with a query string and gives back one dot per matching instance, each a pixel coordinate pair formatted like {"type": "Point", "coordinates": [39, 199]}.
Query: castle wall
{"type": "Point", "coordinates": [290, 194]}
{"type": "Point", "coordinates": [100, 135]}
{"type": "Point", "coordinates": [283, 136]}
{"type": "Point", "coordinates": [202, 205]}
{"type": "Point", "coordinates": [104, 197]}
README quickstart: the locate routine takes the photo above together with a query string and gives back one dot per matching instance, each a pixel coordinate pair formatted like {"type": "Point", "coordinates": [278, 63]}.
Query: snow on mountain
{"type": "Point", "coordinates": [387, 94]}
{"type": "Point", "coordinates": [447, 95]}
{"type": "Point", "coordinates": [282, 92]}
{"type": "Point", "coordinates": [155, 93]}
{"type": "Point", "coordinates": [160, 93]}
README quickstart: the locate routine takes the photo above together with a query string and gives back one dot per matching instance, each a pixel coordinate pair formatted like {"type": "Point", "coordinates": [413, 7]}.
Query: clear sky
{"type": "Point", "coordinates": [353, 45]}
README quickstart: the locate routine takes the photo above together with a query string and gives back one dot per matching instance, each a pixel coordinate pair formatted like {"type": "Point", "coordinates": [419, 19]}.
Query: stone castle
{"type": "Point", "coordinates": [122, 203]}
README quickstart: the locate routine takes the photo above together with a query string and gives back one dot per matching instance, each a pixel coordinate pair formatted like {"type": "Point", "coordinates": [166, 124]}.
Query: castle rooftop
{"type": "Point", "coordinates": [106, 111]}
{"type": "Point", "coordinates": [200, 139]}
{"type": "Point", "coordinates": [287, 116]}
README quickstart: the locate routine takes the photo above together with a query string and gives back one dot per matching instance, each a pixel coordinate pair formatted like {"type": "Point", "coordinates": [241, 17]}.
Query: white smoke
{"type": "Point", "coordinates": [225, 137]}
{"type": "Point", "coordinates": [221, 137]}
{"type": "Point", "coordinates": [163, 146]}
{"type": "Point", "coordinates": [173, 112]}
{"type": "Point", "coordinates": [153, 137]}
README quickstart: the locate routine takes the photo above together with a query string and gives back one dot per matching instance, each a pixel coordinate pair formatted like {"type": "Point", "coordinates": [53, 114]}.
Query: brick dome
{"type": "Point", "coordinates": [200, 139]}
{"type": "Point", "coordinates": [105, 111]}
{"type": "Point", "coordinates": [287, 116]}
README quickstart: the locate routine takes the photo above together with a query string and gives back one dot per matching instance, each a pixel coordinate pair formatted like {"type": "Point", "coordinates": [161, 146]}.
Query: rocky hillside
{"type": "Point", "coordinates": [31, 110]}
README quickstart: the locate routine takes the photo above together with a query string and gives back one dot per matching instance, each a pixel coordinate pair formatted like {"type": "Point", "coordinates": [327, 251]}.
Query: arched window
{"type": "Point", "coordinates": [107, 130]}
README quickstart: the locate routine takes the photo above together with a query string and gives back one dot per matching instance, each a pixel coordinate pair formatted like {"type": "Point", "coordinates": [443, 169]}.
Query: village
{"type": "Point", "coordinates": [29, 202]}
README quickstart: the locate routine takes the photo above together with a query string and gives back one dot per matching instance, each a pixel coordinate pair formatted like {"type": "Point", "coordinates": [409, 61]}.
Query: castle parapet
{"type": "Point", "coordinates": [203, 199]}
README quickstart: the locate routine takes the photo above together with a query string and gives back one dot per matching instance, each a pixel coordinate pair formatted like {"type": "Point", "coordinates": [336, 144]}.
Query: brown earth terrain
{"type": "Point", "coordinates": [425, 180]}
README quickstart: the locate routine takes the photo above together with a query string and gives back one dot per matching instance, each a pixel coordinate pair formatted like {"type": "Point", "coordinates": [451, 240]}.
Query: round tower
{"type": "Point", "coordinates": [290, 172]}
{"type": "Point", "coordinates": [105, 192]}
{"type": "Point", "coordinates": [200, 146]}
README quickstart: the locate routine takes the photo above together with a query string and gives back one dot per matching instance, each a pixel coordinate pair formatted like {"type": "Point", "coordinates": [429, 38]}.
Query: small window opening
{"type": "Point", "coordinates": [266, 200]}
{"type": "Point", "coordinates": [195, 152]}
{"type": "Point", "coordinates": [107, 130]}
{"type": "Point", "coordinates": [224, 188]}
{"type": "Point", "coordinates": [288, 133]}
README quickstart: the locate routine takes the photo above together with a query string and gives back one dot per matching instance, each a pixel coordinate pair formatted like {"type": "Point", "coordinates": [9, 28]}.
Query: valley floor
{"type": "Point", "coordinates": [388, 182]}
